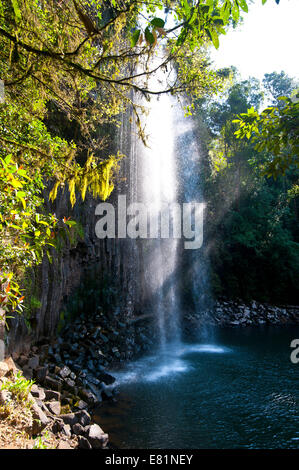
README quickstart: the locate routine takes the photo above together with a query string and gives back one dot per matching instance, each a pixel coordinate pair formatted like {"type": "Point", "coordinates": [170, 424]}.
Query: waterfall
{"type": "Point", "coordinates": [158, 188]}
{"type": "Point", "coordinates": [167, 281]}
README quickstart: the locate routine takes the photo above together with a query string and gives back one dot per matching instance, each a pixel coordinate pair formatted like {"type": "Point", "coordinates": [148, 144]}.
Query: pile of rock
{"type": "Point", "coordinates": [91, 344]}
{"type": "Point", "coordinates": [71, 376]}
{"type": "Point", "coordinates": [61, 398]}
{"type": "Point", "coordinates": [237, 313]}
{"type": "Point", "coordinates": [47, 404]}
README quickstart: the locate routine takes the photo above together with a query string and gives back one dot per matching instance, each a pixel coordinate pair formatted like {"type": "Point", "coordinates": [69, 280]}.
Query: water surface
{"type": "Point", "coordinates": [238, 391]}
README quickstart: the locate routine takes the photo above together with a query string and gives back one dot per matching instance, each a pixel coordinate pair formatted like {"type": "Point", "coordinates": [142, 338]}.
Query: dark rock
{"type": "Point", "coordinates": [33, 362]}
{"type": "Point", "coordinates": [70, 384]}
{"type": "Point", "coordinates": [69, 418]}
{"type": "Point", "coordinates": [78, 429]}
{"type": "Point", "coordinates": [52, 395]}
{"type": "Point", "coordinates": [28, 372]}
{"type": "Point", "coordinates": [57, 426]}
{"type": "Point", "coordinates": [40, 373]}
{"type": "Point", "coordinates": [83, 443]}
{"type": "Point", "coordinates": [96, 391]}
{"type": "Point", "coordinates": [83, 417]}
{"type": "Point", "coordinates": [82, 405]}
{"type": "Point", "coordinates": [103, 338]}
{"type": "Point", "coordinates": [88, 396]}
{"type": "Point", "coordinates": [106, 378]}
{"type": "Point", "coordinates": [22, 360]}
{"type": "Point", "coordinates": [55, 384]}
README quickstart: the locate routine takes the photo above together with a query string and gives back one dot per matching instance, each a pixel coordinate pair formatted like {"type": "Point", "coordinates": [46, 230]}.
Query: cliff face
{"type": "Point", "coordinates": [80, 263]}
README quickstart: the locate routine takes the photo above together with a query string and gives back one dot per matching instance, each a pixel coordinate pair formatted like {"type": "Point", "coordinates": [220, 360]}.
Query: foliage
{"type": "Point", "coordinates": [19, 387]}
{"type": "Point", "coordinates": [277, 85]}
{"type": "Point", "coordinates": [275, 130]}
{"type": "Point", "coordinates": [251, 221]}
{"type": "Point", "coordinates": [41, 442]}
{"type": "Point", "coordinates": [84, 58]}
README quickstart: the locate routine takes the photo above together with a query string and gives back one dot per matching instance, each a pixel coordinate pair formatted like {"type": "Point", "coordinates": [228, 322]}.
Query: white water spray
{"type": "Point", "coordinates": [158, 186]}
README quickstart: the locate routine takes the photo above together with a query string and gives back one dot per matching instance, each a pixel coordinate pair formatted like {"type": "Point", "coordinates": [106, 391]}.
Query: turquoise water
{"type": "Point", "coordinates": [238, 390]}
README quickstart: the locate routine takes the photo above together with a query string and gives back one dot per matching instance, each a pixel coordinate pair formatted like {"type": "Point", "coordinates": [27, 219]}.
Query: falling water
{"type": "Point", "coordinates": [158, 186]}
{"type": "Point", "coordinates": [169, 280]}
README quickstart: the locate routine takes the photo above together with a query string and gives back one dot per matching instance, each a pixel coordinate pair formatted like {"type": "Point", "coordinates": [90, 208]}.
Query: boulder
{"type": "Point", "coordinates": [69, 418]}
{"type": "Point", "coordinates": [11, 365]}
{"type": "Point", "coordinates": [78, 429]}
{"type": "Point", "coordinates": [65, 372]}
{"type": "Point", "coordinates": [28, 372]}
{"type": "Point", "coordinates": [22, 360]}
{"type": "Point", "coordinates": [41, 373]}
{"type": "Point", "coordinates": [82, 405]}
{"type": "Point", "coordinates": [40, 420]}
{"type": "Point", "coordinates": [66, 430]}
{"type": "Point", "coordinates": [52, 383]}
{"type": "Point", "coordinates": [4, 369]}
{"type": "Point", "coordinates": [58, 426]}
{"type": "Point", "coordinates": [83, 417]}
{"type": "Point", "coordinates": [106, 378]}
{"type": "Point", "coordinates": [96, 437]}
{"type": "Point", "coordinates": [52, 395]}
{"type": "Point", "coordinates": [33, 362]}
{"type": "Point", "coordinates": [38, 392]}
{"type": "Point", "coordinates": [83, 443]}
{"type": "Point", "coordinates": [88, 396]}
{"type": "Point", "coordinates": [54, 407]}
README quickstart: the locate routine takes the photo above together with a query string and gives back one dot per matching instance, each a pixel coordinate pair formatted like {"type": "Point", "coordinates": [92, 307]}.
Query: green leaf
{"type": "Point", "coordinates": [186, 7]}
{"type": "Point", "coordinates": [149, 36]}
{"type": "Point", "coordinates": [243, 5]}
{"type": "Point", "coordinates": [158, 22]}
{"type": "Point", "coordinates": [134, 38]}
{"type": "Point", "coordinates": [17, 11]}
{"type": "Point", "coordinates": [204, 8]}
{"type": "Point", "coordinates": [214, 37]}
{"type": "Point", "coordinates": [8, 159]}
{"type": "Point", "coordinates": [70, 223]}
{"type": "Point", "coordinates": [218, 21]}
{"type": "Point", "coordinates": [235, 12]}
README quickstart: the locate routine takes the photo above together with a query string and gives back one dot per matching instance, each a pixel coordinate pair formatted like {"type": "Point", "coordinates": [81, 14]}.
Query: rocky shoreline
{"type": "Point", "coordinates": [236, 314]}
{"type": "Point", "coordinates": [71, 377]}
{"type": "Point", "coordinates": [71, 373]}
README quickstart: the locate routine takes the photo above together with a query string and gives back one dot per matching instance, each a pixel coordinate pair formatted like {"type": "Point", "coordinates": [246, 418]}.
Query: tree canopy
{"type": "Point", "coordinates": [89, 59]}
{"type": "Point", "coordinates": [252, 219]}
